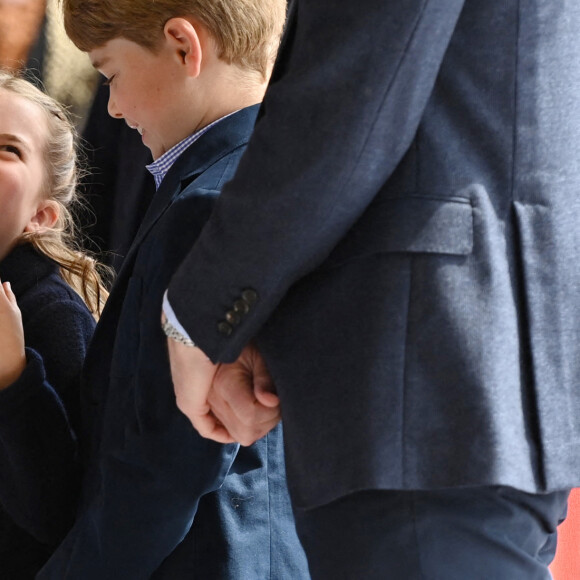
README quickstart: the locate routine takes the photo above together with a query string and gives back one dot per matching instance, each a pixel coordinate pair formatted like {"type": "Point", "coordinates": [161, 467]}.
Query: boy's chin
{"type": "Point", "coordinates": [156, 152]}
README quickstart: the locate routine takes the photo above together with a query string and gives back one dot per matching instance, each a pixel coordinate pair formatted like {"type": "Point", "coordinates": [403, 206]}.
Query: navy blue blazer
{"type": "Point", "coordinates": [158, 500]}
{"type": "Point", "coordinates": [39, 412]}
{"type": "Point", "coordinates": [407, 212]}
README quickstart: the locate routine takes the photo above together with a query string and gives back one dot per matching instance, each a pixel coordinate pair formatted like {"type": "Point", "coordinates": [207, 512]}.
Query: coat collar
{"type": "Point", "coordinates": [23, 267]}
{"type": "Point", "coordinates": [226, 136]}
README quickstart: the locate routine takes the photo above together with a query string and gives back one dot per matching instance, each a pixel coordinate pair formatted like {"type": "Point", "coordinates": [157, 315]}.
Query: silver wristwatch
{"type": "Point", "coordinates": [174, 334]}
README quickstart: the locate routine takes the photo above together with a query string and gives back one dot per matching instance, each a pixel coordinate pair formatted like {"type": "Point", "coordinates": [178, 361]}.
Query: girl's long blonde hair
{"type": "Point", "coordinates": [60, 243]}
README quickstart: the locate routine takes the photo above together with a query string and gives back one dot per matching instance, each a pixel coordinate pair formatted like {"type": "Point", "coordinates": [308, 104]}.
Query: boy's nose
{"type": "Point", "coordinates": [113, 111]}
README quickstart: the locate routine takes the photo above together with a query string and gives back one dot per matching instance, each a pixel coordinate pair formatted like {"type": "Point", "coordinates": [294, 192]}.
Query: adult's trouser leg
{"type": "Point", "coordinates": [483, 533]}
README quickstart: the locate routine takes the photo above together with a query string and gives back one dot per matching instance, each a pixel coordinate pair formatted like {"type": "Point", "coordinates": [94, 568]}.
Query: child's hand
{"type": "Point", "coordinates": [12, 356]}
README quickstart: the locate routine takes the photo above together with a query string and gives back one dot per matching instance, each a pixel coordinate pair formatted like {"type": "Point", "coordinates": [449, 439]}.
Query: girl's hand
{"type": "Point", "coordinates": [12, 355]}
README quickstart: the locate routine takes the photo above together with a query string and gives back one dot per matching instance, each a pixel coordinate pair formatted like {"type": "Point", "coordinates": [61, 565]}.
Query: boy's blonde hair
{"type": "Point", "coordinates": [246, 32]}
{"type": "Point", "coordinates": [59, 243]}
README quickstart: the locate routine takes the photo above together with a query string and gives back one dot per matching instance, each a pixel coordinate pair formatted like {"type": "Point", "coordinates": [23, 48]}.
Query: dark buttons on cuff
{"type": "Point", "coordinates": [224, 328]}
{"type": "Point", "coordinates": [233, 317]}
{"type": "Point", "coordinates": [250, 296]}
{"type": "Point", "coordinates": [241, 306]}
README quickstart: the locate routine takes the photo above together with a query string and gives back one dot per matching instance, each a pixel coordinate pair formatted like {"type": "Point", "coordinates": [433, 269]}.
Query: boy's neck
{"type": "Point", "coordinates": [226, 90]}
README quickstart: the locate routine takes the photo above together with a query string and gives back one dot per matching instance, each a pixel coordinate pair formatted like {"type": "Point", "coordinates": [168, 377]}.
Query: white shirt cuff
{"type": "Point", "coordinates": [168, 311]}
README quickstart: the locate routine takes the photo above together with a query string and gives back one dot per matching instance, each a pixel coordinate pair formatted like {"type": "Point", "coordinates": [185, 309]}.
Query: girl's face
{"type": "Point", "coordinates": [23, 134]}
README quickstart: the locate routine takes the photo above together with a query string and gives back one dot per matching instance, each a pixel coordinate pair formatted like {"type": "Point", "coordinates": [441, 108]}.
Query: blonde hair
{"type": "Point", "coordinates": [59, 243]}
{"type": "Point", "coordinates": [246, 32]}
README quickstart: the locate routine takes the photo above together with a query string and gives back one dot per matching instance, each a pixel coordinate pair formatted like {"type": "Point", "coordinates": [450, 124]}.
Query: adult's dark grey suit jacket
{"type": "Point", "coordinates": [413, 237]}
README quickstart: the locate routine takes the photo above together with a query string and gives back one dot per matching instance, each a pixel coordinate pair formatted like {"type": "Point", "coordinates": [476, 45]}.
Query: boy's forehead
{"type": "Point", "coordinates": [111, 50]}
{"type": "Point", "coordinates": [116, 50]}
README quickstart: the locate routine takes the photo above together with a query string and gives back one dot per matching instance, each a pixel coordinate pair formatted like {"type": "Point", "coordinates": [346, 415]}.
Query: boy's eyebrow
{"type": "Point", "coordinates": [98, 63]}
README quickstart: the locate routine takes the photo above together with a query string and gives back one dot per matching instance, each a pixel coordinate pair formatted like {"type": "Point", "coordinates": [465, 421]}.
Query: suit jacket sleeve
{"type": "Point", "coordinates": [348, 92]}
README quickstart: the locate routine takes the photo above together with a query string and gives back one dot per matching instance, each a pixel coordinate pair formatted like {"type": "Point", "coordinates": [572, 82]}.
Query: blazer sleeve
{"type": "Point", "coordinates": [348, 92]}
{"type": "Point", "coordinates": [40, 480]}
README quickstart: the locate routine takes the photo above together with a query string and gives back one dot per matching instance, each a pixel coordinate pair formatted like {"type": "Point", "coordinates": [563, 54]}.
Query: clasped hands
{"type": "Point", "coordinates": [233, 402]}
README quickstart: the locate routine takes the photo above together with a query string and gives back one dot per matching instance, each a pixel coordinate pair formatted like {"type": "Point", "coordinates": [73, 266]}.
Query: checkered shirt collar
{"type": "Point", "coordinates": [162, 165]}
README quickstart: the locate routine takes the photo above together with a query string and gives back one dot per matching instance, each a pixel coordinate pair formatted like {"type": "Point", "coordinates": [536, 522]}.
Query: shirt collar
{"type": "Point", "coordinates": [162, 165]}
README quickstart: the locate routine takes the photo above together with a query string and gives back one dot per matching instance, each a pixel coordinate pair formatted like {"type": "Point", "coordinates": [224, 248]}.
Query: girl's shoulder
{"type": "Point", "coordinates": [26, 268]}
{"type": "Point", "coordinates": [37, 283]}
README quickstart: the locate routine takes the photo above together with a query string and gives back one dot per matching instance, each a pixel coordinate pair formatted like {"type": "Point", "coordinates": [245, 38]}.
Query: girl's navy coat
{"type": "Point", "coordinates": [39, 478]}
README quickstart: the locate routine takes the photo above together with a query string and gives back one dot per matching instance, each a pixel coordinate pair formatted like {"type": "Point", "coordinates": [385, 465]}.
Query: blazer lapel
{"type": "Point", "coordinates": [220, 140]}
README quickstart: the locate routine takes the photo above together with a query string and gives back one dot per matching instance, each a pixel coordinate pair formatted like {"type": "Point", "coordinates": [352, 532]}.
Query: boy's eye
{"type": "Point", "coordinates": [11, 149]}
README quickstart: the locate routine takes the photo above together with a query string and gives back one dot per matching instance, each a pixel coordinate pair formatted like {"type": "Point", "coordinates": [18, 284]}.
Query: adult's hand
{"type": "Point", "coordinates": [193, 373]}
{"type": "Point", "coordinates": [243, 397]}
{"type": "Point", "coordinates": [227, 403]}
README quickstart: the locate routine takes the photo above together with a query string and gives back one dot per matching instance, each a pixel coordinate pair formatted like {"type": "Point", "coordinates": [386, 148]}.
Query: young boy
{"type": "Point", "coordinates": [158, 500]}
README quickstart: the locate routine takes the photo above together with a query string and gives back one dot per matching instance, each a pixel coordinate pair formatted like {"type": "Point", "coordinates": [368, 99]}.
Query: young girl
{"type": "Point", "coordinates": [45, 326]}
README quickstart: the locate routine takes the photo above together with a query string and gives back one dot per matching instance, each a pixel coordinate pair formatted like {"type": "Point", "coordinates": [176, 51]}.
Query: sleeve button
{"type": "Point", "coordinates": [233, 317]}
{"type": "Point", "coordinates": [250, 296]}
{"type": "Point", "coordinates": [224, 328]}
{"type": "Point", "coordinates": [241, 306]}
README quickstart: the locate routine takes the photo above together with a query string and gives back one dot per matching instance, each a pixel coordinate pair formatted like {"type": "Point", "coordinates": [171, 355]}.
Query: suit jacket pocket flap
{"type": "Point", "coordinates": [410, 224]}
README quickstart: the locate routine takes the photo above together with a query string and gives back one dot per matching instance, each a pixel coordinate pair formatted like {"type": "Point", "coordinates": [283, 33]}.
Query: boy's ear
{"type": "Point", "coordinates": [183, 37]}
{"type": "Point", "coordinates": [46, 216]}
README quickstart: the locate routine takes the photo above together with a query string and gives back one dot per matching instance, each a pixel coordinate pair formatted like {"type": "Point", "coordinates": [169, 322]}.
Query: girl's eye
{"type": "Point", "coordinates": [107, 82]}
{"type": "Point", "coordinates": [11, 149]}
